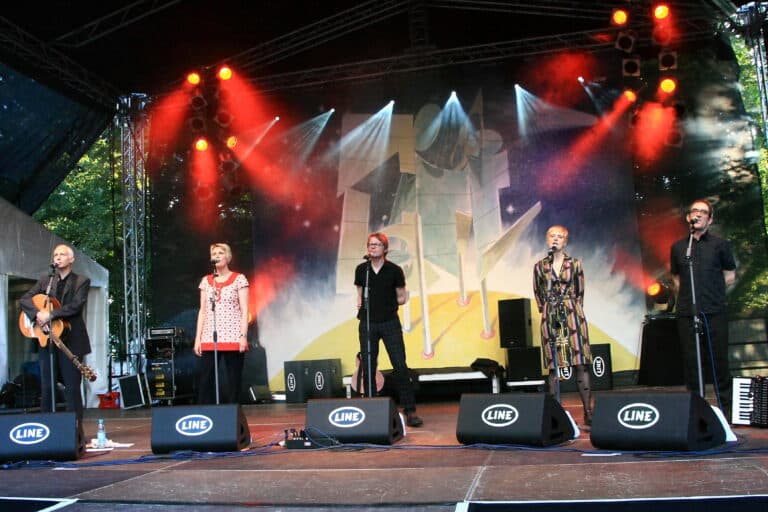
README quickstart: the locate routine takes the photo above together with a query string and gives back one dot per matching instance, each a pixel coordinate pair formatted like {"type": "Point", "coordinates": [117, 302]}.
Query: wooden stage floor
{"type": "Point", "coordinates": [428, 470]}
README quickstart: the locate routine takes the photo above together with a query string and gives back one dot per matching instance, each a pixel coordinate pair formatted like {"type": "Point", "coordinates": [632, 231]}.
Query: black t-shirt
{"type": "Point", "coordinates": [711, 255]}
{"type": "Point", "coordinates": [383, 290]}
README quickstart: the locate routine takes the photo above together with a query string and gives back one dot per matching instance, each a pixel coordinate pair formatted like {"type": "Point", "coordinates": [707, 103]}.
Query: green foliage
{"type": "Point", "coordinates": [85, 210]}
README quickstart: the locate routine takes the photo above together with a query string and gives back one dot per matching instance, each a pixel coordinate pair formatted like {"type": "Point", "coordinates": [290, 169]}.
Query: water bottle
{"type": "Point", "coordinates": [101, 435]}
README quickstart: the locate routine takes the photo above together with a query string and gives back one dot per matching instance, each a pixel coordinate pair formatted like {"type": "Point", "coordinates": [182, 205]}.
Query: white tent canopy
{"type": "Point", "coordinates": [25, 252]}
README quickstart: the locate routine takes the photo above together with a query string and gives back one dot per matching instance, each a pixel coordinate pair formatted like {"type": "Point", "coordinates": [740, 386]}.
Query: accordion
{"type": "Point", "coordinates": [750, 401]}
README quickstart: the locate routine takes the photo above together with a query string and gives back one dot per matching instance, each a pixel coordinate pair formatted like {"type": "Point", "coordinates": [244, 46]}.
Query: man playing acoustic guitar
{"type": "Point", "coordinates": [69, 293]}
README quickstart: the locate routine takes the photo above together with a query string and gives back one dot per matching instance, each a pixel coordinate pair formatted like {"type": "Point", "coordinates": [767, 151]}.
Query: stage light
{"type": "Point", "coordinates": [619, 17]}
{"type": "Point", "coordinates": [197, 101]}
{"type": "Point", "coordinates": [201, 144]}
{"type": "Point", "coordinates": [630, 95]}
{"type": "Point", "coordinates": [231, 142]}
{"type": "Point", "coordinates": [193, 78]}
{"type": "Point", "coordinates": [667, 60]}
{"type": "Point", "coordinates": [660, 11]}
{"type": "Point", "coordinates": [625, 41]}
{"type": "Point", "coordinates": [197, 124]}
{"type": "Point", "coordinates": [660, 294]}
{"type": "Point", "coordinates": [668, 85]}
{"type": "Point", "coordinates": [391, 103]}
{"type": "Point", "coordinates": [223, 118]}
{"type": "Point", "coordinates": [630, 66]}
{"type": "Point", "coordinates": [580, 79]}
{"type": "Point", "coordinates": [225, 73]}
{"type": "Point", "coordinates": [333, 110]}
{"type": "Point", "coordinates": [662, 35]}
{"type": "Point", "coordinates": [277, 118]}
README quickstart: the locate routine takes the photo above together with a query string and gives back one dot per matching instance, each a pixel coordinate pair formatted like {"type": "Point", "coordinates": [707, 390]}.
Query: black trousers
{"type": "Point", "coordinates": [391, 333]}
{"type": "Point", "coordinates": [714, 332]}
{"type": "Point", "coordinates": [70, 376]}
{"type": "Point", "coordinates": [231, 363]}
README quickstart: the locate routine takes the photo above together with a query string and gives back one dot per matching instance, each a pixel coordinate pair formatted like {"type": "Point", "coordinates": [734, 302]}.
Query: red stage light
{"type": "Point", "coordinates": [231, 142]}
{"type": "Point", "coordinates": [653, 289]}
{"type": "Point", "coordinates": [619, 17]}
{"type": "Point", "coordinates": [668, 85]}
{"type": "Point", "coordinates": [661, 11]}
{"type": "Point", "coordinates": [201, 144]}
{"type": "Point", "coordinates": [630, 95]}
{"type": "Point", "coordinates": [225, 73]}
{"type": "Point", "coordinates": [193, 78]}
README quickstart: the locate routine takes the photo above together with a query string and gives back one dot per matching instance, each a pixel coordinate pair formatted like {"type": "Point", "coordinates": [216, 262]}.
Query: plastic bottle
{"type": "Point", "coordinates": [101, 435]}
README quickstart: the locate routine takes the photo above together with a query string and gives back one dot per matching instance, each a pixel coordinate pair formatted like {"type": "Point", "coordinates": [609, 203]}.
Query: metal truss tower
{"type": "Point", "coordinates": [133, 127]}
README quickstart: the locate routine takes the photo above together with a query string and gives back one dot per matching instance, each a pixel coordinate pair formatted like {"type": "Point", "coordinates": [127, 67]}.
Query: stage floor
{"type": "Point", "coordinates": [428, 470]}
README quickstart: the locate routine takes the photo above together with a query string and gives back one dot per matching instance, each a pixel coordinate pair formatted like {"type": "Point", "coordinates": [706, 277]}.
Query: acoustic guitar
{"type": "Point", "coordinates": [358, 386]}
{"type": "Point", "coordinates": [30, 329]}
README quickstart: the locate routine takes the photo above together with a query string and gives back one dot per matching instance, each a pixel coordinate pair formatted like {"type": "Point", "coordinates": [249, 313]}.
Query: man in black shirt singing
{"type": "Point", "coordinates": [384, 282]}
{"type": "Point", "coordinates": [714, 268]}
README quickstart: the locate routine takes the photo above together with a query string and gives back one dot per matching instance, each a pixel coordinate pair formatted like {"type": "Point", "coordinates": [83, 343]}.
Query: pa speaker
{"type": "Point", "coordinates": [680, 421]}
{"type": "Point", "coordinates": [51, 436]}
{"type": "Point", "coordinates": [360, 420]}
{"type": "Point", "coordinates": [525, 418]}
{"type": "Point", "coordinates": [201, 428]}
{"type": "Point", "coordinates": [524, 364]}
{"type": "Point", "coordinates": [515, 323]}
{"type": "Point", "coordinates": [601, 371]}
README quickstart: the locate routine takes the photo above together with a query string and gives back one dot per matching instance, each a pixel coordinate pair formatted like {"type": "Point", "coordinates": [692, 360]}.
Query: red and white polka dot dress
{"type": "Point", "coordinates": [228, 311]}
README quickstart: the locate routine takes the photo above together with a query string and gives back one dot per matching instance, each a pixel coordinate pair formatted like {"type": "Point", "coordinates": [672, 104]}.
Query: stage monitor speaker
{"type": "Point", "coordinates": [134, 391]}
{"type": "Point", "coordinates": [514, 418]}
{"type": "Point", "coordinates": [601, 371]}
{"type": "Point", "coordinates": [515, 323]}
{"type": "Point", "coordinates": [661, 356]}
{"type": "Point", "coordinates": [200, 428]}
{"type": "Point", "coordinates": [359, 420]}
{"type": "Point", "coordinates": [679, 421]}
{"type": "Point", "coordinates": [45, 436]}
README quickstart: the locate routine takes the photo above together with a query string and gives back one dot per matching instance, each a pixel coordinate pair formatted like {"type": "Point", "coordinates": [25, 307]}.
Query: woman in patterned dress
{"type": "Point", "coordinates": [226, 292]}
{"type": "Point", "coordinates": [558, 284]}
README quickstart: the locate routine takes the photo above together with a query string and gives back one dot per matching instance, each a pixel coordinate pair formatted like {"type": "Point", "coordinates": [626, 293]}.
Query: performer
{"type": "Point", "coordinates": [714, 269]}
{"type": "Point", "coordinates": [386, 291]}
{"type": "Point", "coordinates": [71, 291]}
{"type": "Point", "coordinates": [223, 298]}
{"type": "Point", "coordinates": [558, 284]}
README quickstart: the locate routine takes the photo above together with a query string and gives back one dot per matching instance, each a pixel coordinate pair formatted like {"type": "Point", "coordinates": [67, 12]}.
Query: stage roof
{"type": "Point", "coordinates": [88, 53]}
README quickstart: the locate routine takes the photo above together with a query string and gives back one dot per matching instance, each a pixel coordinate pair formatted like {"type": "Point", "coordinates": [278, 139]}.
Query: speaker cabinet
{"type": "Point", "coordinates": [601, 371]}
{"type": "Point", "coordinates": [661, 357]}
{"type": "Point", "coordinates": [46, 436]}
{"type": "Point", "coordinates": [680, 421]}
{"type": "Point", "coordinates": [320, 378]}
{"type": "Point", "coordinates": [524, 364]}
{"type": "Point", "coordinates": [134, 391]}
{"type": "Point", "coordinates": [201, 428]}
{"type": "Point", "coordinates": [524, 418]}
{"type": "Point", "coordinates": [255, 383]}
{"type": "Point", "coordinates": [360, 420]}
{"type": "Point", "coordinates": [515, 323]}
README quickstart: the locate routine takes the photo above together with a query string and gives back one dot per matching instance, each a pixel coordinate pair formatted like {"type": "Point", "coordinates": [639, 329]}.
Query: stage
{"type": "Point", "coordinates": [427, 470]}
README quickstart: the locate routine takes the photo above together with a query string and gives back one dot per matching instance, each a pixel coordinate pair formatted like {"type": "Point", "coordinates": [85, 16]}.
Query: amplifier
{"type": "Point", "coordinates": [174, 332]}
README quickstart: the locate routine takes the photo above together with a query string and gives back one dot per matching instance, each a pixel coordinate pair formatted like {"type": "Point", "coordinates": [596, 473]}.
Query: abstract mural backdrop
{"type": "Point", "coordinates": [464, 169]}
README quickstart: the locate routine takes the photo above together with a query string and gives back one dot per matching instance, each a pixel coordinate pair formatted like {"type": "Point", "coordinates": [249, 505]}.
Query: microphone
{"type": "Point", "coordinates": [53, 265]}
{"type": "Point", "coordinates": [695, 220]}
{"type": "Point", "coordinates": [366, 257]}
{"type": "Point", "coordinates": [214, 261]}
{"type": "Point", "coordinates": [551, 251]}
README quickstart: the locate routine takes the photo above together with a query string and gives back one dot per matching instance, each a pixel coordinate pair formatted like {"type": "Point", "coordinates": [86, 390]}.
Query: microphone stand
{"type": "Point", "coordinates": [553, 340]}
{"type": "Point", "coordinates": [215, 335]}
{"type": "Point", "coordinates": [52, 373]}
{"type": "Point", "coordinates": [369, 389]}
{"type": "Point", "coordinates": [695, 310]}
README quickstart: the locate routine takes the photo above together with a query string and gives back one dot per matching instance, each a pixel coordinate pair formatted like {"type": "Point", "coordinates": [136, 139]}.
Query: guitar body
{"type": "Point", "coordinates": [358, 386]}
{"type": "Point", "coordinates": [30, 329]}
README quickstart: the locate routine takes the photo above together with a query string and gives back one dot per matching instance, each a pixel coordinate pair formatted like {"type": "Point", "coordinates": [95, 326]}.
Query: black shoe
{"type": "Point", "coordinates": [412, 420]}
{"type": "Point", "coordinates": [588, 418]}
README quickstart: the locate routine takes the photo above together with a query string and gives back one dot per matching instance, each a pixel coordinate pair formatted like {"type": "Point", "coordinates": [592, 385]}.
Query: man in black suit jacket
{"type": "Point", "coordinates": [71, 290]}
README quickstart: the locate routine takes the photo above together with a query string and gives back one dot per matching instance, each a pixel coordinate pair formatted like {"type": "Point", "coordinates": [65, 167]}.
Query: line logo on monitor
{"type": "Point", "coordinates": [319, 381]}
{"type": "Point", "coordinates": [291, 382]}
{"type": "Point", "coordinates": [346, 417]}
{"type": "Point", "coordinates": [29, 433]}
{"type": "Point", "coordinates": [194, 425]}
{"type": "Point", "coordinates": [598, 366]}
{"type": "Point", "coordinates": [500, 415]}
{"type": "Point", "coordinates": [638, 416]}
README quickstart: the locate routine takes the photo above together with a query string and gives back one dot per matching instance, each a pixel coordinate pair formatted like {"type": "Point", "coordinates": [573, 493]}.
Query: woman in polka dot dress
{"type": "Point", "coordinates": [226, 292]}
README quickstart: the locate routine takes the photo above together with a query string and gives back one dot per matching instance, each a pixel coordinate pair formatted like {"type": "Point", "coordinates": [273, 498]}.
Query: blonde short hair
{"type": "Point", "coordinates": [561, 228]}
{"type": "Point", "coordinates": [227, 250]}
